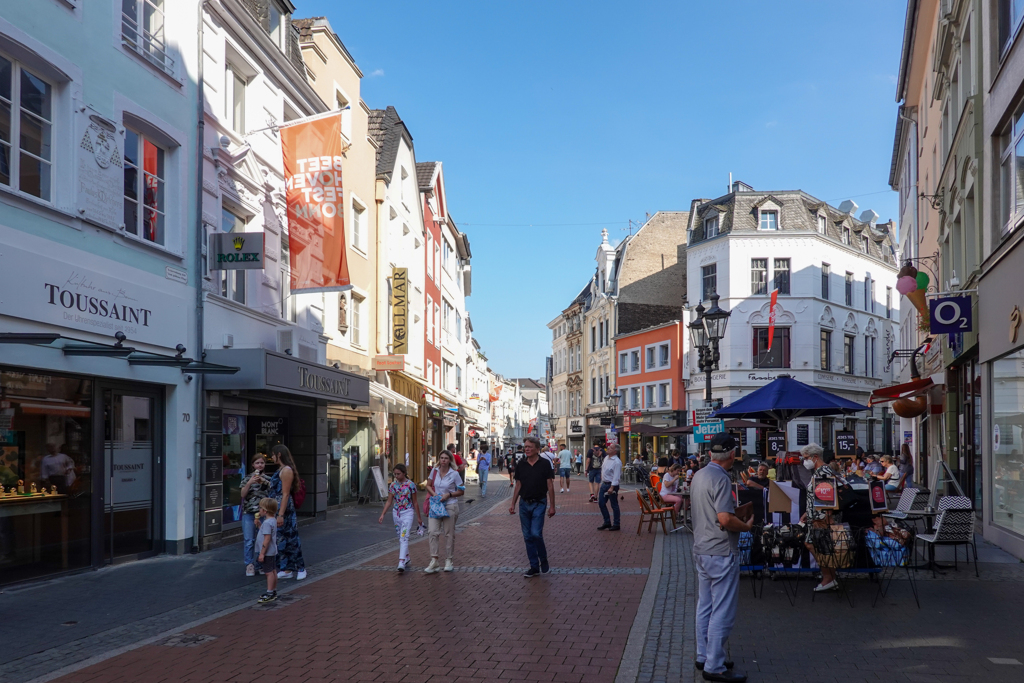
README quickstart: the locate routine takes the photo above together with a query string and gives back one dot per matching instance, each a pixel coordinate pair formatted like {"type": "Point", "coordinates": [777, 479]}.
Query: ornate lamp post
{"type": "Point", "coordinates": [612, 401]}
{"type": "Point", "coordinates": [706, 332]}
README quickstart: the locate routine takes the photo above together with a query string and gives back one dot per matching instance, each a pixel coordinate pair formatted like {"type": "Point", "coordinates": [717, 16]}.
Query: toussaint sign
{"type": "Point", "coordinates": [236, 251]}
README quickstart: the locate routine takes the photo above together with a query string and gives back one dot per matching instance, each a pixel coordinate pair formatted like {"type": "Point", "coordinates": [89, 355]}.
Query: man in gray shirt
{"type": "Point", "coordinates": [716, 533]}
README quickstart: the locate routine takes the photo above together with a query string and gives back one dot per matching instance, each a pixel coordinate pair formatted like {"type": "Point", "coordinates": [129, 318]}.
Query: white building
{"type": "Point", "coordinates": [836, 317]}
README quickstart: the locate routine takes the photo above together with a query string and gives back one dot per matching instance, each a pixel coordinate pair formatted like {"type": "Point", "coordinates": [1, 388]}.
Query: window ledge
{"type": "Point", "coordinates": [360, 252]}
{"type": "Point", "coordinates": [159, 248]}
{"type": "Point", "coordinates": [27, 201]}
{"type": "Point", "coordinates": [139, 56]}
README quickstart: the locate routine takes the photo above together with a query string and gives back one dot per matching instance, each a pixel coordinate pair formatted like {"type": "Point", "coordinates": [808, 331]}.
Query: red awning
{"type": "Point", "coordinates": [892, 393]}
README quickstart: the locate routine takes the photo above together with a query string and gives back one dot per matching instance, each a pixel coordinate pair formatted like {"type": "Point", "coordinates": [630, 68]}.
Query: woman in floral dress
{"type": "Point", "coordinates": [402, 494]}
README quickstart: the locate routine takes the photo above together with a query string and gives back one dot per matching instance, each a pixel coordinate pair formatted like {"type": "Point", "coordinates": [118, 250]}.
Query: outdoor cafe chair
{"type": "Point", "coordinates": [890, 554]}
{"type": "Point", "coordinates": [651, 513]}
{"type": "Point", "coordinates": [954, 526]}
{"type": "Point", "coordinates": [834, 548]}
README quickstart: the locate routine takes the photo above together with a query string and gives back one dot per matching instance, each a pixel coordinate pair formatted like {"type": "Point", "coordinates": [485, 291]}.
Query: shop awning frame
{"type": "Point", "coordinates": [81, 347]}
{"type": "Point", "coordinates": [898, 391]}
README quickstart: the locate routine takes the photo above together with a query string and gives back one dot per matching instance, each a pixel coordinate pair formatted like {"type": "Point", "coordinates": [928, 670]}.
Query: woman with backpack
{"type": "Point", "coordinates": [289, 491]}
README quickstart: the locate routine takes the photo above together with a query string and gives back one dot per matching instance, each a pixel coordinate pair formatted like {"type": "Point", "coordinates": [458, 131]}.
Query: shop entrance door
{"type": "Point", "coordinates": [129, 433]}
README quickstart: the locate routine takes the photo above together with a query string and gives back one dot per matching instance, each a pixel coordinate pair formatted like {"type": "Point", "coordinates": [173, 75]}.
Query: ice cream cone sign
{"type": "Point", "coordinates": [914, 285]}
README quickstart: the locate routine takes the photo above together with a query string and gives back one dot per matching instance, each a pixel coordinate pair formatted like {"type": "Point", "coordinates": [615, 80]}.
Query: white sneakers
{"type": "Point", "coordinates": [831, 586]}
{"type": "Point", "coordinates": [287, 574]}
{"type": "Point", "coordinates": [433, 567]}
{"type": "Point", "coordinates": [561, 490]}
{"type": "Point", "coordinates": [448, 566]}
{"type": "Point", "coordinates": [250, 570]}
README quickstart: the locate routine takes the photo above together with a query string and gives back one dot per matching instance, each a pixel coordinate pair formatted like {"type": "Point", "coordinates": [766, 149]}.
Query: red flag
{"type": "Point", "coordinates": [316, 219]}
{"type": "Point", "coordinates": [771, 318]}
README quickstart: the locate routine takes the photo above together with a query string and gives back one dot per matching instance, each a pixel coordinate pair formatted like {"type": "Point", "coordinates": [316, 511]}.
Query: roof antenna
{"type": "Point", "coordinates": [729, 189]}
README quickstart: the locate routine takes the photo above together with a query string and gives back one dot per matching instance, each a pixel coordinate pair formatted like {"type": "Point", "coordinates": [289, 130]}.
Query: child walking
{"type": "Point", "coordinates": [255, 487]}
{"type": "Point", "coordinates": [266, 541]}
{"type": "Point", "coordinates": [402, 493]}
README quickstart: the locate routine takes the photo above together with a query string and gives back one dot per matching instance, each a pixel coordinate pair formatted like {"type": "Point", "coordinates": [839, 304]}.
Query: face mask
{"type": "Point", "coordinates": [808, 464]}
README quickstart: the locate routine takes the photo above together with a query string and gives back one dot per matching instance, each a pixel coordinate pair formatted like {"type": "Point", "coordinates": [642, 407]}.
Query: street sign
{"type": "Point", "coordinates": [951, 315]}
{"type": "Point", "coordinates": [632, 413]}
{"type": "Point", "coordinates": [701, 415]}
{"type": "Point", "coordinates": [626, 423]}
{"type": "Point", "coordinates": [704, 432]}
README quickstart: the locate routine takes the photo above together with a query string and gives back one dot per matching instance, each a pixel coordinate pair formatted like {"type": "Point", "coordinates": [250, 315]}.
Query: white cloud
{"type": "Point", "coordinates": [376, 72]}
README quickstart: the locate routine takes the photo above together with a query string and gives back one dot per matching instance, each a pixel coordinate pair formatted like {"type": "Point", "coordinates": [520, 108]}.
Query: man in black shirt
{"type": "Point", "coordinates": [535, 484]}
{"type": "Point", "coordinates": [595, 457]}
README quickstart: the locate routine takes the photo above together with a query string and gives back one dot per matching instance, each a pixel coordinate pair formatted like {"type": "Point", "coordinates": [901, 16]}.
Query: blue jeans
{"type": "Point", "coordinates": [602, 498]}
{"type": "Point", "coordinates": [718, 581]}
{"type": "Point", "coordinates": [483, 481]}
{"type": "Point", "coordinates": [531, 516]}
{"type": "Point", "coordinates": [891, 487]}
{"type": "Point", "coordinates": [249, 534]}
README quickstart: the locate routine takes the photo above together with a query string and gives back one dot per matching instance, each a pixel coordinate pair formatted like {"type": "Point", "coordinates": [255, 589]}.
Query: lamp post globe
{"type": "Point", "coordinates": [698, 333]}
{"type": "Point", "coordinates": [716, 320]}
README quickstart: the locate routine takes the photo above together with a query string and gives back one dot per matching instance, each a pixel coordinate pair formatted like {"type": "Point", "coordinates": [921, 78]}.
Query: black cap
{"type": "Point", "coordinates": [722, 443]}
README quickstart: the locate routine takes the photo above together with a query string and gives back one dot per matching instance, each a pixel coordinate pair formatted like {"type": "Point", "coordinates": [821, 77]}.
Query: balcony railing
{"type": "Point", "coordinates": [147, 44]}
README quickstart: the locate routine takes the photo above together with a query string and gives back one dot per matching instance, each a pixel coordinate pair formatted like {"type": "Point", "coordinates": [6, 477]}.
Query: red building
{"type": "Point", "coordinates": [648, 378]}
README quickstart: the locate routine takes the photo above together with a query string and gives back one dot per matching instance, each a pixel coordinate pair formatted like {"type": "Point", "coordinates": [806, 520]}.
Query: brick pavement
{"type": "Point", "coordinates": [116, 607]}
{"type": "Point", "coordinates": [483, 622]}
{"type": "Point", "coordinates": [963, 624]}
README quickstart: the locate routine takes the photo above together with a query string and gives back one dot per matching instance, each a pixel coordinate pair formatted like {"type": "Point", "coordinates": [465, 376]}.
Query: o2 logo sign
{"type": "Point", "coordinates": [951, 315]}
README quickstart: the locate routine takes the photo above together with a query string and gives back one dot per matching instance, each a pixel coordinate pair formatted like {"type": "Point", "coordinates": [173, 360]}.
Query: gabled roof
{"type": "Point", "coordinates": [305, 27]}
{"type": "Point", "coordinates": [425, 173]}
{"type": "Point", "coordinates": [387, 129]}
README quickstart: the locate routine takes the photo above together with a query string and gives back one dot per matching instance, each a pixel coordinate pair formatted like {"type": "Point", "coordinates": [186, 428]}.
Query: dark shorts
{"type": "Point", "coordinates": [594, 476]}
{"type": "Point", "coordinates": [269, 564]}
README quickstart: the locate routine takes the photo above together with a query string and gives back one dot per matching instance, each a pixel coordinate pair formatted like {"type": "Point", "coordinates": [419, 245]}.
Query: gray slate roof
{"type": "Point", "coordinates": [387, 129]}
{"type": "Point", "coordinates": [425, 173]}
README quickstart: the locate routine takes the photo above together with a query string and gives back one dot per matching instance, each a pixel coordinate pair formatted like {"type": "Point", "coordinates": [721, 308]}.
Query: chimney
{"type": "Point", "coordinates": [848, 207]}
{"type": "Point", "coordinates": [869, 216]}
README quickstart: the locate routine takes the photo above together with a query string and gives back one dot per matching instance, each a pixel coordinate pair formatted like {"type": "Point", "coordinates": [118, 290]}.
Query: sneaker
{"type": "Point", "coordinates": [250, 570]}
{"type": "Point", "coordinates": [448, 566]}
{"type": "Point", "coordinates": [822, 588]}
{"type": "Point", "coordinates": [532, 572]}
{"type": "Point", "coordinates": [301, 575]}
{"type": "Point", "coordinates": [545, 568]}
{"type": "Point", "coordinates": [561, 490]}
{"type": "Point", "coordinates": [269, 596]}
{"type": "Point", "coordinates": [285, 574]}
{"type": "Point", "coordinates": [432, 568]}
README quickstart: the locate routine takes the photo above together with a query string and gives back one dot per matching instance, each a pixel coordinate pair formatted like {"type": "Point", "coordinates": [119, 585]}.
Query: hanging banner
{"type": "Point", "coordinates": [771, 318]}
{"type": "Point", "coordinates": [316, 215]}
{"type": "Point", "coordinates": [495, 393]}
{"type": "Point", "coordinates": [399, 311]}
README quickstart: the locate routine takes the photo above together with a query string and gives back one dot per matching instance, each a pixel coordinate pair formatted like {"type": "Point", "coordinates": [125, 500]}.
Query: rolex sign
{"type": "Point", "coordinates": [236, 251]}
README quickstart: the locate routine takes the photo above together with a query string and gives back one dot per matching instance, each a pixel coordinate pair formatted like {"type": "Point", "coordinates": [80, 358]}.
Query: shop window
{"type": "Point", "coordinates": [778, 356]}
{"type": "Point", "coordinates": [232, 282]}
{"type": "Point", "coordinates": [26, 131]}
{"type": "Point", "coordinates": [144, 180]}
{"type": "Point", "coordinates": [47, 444]}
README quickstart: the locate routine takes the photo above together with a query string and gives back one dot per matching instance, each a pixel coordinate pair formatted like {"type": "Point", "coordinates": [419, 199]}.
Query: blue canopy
{"type": "Point", "coordinates": [786, 399]}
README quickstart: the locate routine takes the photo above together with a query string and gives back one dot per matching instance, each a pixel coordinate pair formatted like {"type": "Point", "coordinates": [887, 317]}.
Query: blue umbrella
{"type": "Point", "coordinates": [786, 399]}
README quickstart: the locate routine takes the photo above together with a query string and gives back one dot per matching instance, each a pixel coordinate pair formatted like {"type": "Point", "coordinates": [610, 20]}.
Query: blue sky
{"type": "Point", "coordinates": [555, 120]}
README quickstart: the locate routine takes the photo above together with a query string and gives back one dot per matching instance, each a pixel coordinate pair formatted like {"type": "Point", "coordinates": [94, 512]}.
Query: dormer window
{"type": "Point", "coordinates": [822, 225]}
{"type": "Point", "coordinates": [846, 235]}
{"type": "Point", "coordinates": [276, 27]}
{"type": "Point", "coordinates": [769, 220]}
{"type": "Point", "coordinates": [711, 227]}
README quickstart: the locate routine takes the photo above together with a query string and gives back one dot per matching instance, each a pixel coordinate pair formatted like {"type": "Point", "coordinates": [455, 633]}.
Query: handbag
{"type": "Point", "coordinates": [426, 503]}
{"type": "Point", "coordinates": [438, 510]}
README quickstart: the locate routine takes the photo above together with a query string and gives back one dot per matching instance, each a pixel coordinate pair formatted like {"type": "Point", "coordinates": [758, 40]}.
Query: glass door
{"type": "Point", "coordinates": [128, 455]}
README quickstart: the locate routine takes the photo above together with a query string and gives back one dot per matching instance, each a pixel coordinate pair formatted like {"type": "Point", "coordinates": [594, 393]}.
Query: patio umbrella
{"type": "Point", "coordinates": [786, 399]}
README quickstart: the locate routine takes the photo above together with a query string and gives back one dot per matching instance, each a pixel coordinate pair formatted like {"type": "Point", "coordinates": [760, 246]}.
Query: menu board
{"type": "Point", "coordinates": [846, 444]}
{"type": "Point", "coordinates": [803, 435]}
{"type": "Point", "coordinates": [776, 444]}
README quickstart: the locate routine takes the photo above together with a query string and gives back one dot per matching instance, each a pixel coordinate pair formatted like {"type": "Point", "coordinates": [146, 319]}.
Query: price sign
{"type": "Point", "coordinates": [846, 444]}
{"type": "Point", "coordinates": [775, 444]}
{"type": "Point", "coordinates": [702, 415]}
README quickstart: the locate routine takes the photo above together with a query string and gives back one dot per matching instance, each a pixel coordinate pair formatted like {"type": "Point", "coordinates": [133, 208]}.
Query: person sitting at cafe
{"type": "Point", "coordinates": [873, 466]}
{"type": "Point", "coordinates": [891, 476]}
{"type": "Point", "coordinates": [759, 480]}
{"type": "Point", "coordinates": [670, 488]}
{"type": "Point", "coordinates": [820, 520]}
{"type": "Point", "coordinates": [662, 466]}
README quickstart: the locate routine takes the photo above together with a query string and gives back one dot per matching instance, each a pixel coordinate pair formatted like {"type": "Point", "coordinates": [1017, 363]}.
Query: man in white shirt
{"type": "Point", "coordinates": [57, 469]}
{"type": "Point", "coordinates": [611, 474]}
{"type": "Point", "coordinates": [564, 467]}
{"type": "Point", "coordinates": [483, 467]}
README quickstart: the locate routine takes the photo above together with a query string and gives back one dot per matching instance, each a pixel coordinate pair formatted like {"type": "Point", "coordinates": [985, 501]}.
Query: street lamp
{"type": "Point", "coordinates": [612, 401]}
{"type": "Point", "coordinates": [706, 331]}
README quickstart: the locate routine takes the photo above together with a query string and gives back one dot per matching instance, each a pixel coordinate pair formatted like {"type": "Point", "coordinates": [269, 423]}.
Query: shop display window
{"type": "Point", "coordinates": [46, 474]}
{"type": "Point", "coordinates": [1008, 442]}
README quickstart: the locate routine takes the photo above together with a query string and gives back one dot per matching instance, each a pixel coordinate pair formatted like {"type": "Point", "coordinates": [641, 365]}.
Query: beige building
{"type": "Point", "coordinates": [350, 319]}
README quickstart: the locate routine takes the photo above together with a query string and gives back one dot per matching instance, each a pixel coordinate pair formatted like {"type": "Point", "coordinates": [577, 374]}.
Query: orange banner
{"type": "Point", "coordinates": [316, 205]}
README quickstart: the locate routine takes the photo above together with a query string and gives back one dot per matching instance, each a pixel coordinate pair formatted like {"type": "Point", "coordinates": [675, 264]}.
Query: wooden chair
{"type": "Point", "coordinates": [652, 514]}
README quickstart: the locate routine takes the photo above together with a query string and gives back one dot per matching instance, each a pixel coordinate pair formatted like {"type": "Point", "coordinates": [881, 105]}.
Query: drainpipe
{"type": "Point", "coordinates": [200, 295]}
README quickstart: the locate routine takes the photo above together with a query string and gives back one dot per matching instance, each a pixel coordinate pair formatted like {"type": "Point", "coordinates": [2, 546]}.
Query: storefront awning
{"type": "Point", "coordinates": [912, 388]}
{"type": "Point", "coordinates": [393, 401]}
{"type": "Point", "coordinates": [263, 370]}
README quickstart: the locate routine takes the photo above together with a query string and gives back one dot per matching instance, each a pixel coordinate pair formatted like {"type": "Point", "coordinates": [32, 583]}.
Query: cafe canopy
{"type": "Point", "coordinates": [786, 399]}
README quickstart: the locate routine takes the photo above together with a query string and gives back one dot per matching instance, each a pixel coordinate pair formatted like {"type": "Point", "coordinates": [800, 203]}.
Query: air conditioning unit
{"type": "Point", "coordinates": [228, 341]}
{"type": "Point", "coordinates": [288, 342]}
